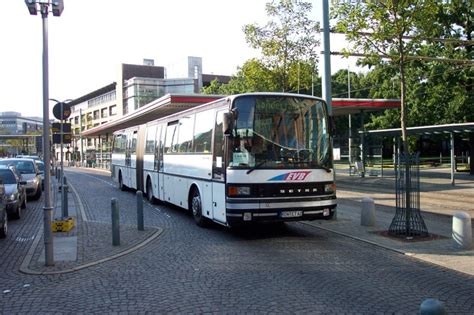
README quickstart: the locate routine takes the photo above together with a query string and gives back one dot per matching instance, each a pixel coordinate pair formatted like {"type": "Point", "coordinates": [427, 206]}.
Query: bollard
{"type": "Point", "coordinates": [367, 215]}
{"type": "Point", "coordinates": [140, 210]}
{"type": "Point", "coordinates": [432, 307]}
{"type": "Point", "coordinates": [115, 222]}
{"type": "Point", "coordinates": [64, 205]}
{"type": "Point", "coordinates": [462, 231]}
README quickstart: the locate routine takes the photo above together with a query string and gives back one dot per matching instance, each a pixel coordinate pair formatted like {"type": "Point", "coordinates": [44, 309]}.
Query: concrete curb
{"type": "Point", "coordinates": [24, 267]}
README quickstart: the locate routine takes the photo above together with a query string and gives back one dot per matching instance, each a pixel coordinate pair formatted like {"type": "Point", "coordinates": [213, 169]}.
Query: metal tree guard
{"type": "Point", "coordinates": [408, 221]}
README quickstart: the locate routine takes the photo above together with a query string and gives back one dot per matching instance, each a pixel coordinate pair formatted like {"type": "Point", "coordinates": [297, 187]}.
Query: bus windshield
{"type": "Point", "coordinates": [280, 132]}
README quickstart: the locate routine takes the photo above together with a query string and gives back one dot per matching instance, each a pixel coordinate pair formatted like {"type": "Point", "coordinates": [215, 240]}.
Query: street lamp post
{"type": "Point", "coordinates": [44, 6]}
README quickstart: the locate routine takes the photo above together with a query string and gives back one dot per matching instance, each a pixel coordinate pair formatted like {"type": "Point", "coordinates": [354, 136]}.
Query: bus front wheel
{"type": "Point", "coordinates": [196, 208]}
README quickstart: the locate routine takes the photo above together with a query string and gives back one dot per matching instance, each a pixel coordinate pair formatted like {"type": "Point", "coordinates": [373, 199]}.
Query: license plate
{"type": "Point", "coordinates": [291, 214]}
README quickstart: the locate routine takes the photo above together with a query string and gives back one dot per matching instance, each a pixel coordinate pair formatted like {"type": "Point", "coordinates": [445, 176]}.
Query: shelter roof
{"type": "Point", "coordinates": [424, 130]}
{"type": "Point", "coordinates": [347, 106]}
{"type": "Point", "coordinates": [172, 103]}
{"type": "Point", "coordinates": [166, 105]}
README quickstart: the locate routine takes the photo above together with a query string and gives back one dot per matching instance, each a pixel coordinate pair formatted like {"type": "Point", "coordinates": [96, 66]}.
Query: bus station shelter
{"type": "Point", "coordinates": [172, 103]}
{"type": "Point", "coordinates": [448, 129]}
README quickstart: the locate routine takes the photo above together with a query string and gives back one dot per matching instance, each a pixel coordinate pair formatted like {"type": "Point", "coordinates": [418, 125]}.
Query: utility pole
{"type": "Point", "coordinates": [43, 6]}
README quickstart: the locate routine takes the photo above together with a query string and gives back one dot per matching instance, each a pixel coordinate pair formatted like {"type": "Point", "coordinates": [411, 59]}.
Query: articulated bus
{"type": "Point", "coordinates": [259, 157]}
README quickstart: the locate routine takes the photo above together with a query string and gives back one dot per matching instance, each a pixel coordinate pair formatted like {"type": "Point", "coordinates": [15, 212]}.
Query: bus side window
{"type": "Point", "coordinates": [171, 136]}
{"type": "Point", "coordinates": [218, 161]}
{"type": "Point", "coordinates": [203, 132]}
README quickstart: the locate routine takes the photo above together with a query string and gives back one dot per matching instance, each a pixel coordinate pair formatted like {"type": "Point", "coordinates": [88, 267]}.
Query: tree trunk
{"type": "Point", "coordinates": [471, 153]}
{"type": "Point", "coordinates": [403, 116]}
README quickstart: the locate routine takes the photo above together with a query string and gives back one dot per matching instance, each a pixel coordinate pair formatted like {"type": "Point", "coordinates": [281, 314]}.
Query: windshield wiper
{"type": "Point", "coordinates": [256, 166]}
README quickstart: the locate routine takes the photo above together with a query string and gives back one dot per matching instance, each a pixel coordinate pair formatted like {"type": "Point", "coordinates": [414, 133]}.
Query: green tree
{"type": "Point", "coordinates": [287, 43]}
{"type": "Point", "coordinates": [253, 76]}
{"type": "Point", "coordinates": [379, 29]}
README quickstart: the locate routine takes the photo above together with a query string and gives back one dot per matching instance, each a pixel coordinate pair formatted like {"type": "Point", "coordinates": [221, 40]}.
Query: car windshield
{"type": "Point", "coordinates": [23, 167]}
{"type": "Point", "coordinates": [7, 176]}
{"type": "Point", "coordinates": [280, 132]}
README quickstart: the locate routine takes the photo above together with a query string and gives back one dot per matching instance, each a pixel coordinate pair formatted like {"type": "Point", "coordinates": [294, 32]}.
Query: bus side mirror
{"type": "Point", "coordinates": [228, 123]}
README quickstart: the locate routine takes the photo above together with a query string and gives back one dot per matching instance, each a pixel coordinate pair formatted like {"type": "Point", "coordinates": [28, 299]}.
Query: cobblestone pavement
{"type": "Point", "coordinates": [291, 268]}
{"type": "Point", "coordinates": [439, 200]}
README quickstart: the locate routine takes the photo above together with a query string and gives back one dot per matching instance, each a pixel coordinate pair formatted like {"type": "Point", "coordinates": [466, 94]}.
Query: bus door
{"type": "Point", "coordinates": [133, 160]}
{"type": "Point", "coordinates": [126, 171]}
{"type": "Point", "coordinates": [161, 164]}
{"type": "Point", "coordinates": [158, 163]}
{"type": "Point", "coordinates": [168, 180]}
{"type": "Point", "coordinates": [139, 152]}
{"type": "Point", "coordinates": [218, 173]}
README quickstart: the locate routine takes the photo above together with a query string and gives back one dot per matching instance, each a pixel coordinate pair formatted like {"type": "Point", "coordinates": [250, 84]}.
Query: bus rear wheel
{"type": "Point", "coordinates": [196, 208]}
{"type": "Point", "coordinates": [149, 191]}
{"type": "Point", "coordinates": [121, 186]}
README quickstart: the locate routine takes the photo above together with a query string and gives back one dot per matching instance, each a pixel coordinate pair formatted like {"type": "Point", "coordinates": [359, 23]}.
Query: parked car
{"type": "Point", "coordinates": [33, 157]}
{"type": "Point", "coordinates": [3, 212]}
{"type": "Point", "coordinates": [40, 165]}
{"type": "Point", "coordinates": [15, 192]}
{"type": "Point", "coordinates": [29, 172]}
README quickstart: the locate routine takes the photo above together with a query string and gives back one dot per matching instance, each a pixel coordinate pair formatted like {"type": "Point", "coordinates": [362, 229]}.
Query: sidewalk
{"type": "Point", "coordinates": [87, 244]}
{"type": "Point", "coordinates": [90, 243]}
{"type": "Point", "coordinates": [438, 201]}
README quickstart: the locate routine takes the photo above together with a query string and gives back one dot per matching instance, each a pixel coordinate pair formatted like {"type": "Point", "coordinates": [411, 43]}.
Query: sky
{"type": "Point", "coordinates": [92, 38]}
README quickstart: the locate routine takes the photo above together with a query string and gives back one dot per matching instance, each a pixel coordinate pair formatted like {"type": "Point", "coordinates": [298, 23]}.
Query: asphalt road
{"type": "Point", "coordinates": [291, 268]}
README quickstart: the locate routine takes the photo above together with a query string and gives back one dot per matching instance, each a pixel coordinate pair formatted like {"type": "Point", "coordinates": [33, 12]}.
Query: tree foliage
{"type": "Point", "coordinates": [287, 42]}
{"type": "Point", "coordinates": [379, 29]}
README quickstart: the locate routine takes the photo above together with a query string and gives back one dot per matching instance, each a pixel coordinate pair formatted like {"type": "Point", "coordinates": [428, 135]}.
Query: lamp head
{"type": "Point", "coordinates": [58, 7]}
{"type": "Point", "coordinates": [31, 5]}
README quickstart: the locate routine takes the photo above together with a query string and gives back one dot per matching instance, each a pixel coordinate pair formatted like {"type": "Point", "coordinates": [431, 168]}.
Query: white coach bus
{"type": "Point", "coordinates": [256, 157]}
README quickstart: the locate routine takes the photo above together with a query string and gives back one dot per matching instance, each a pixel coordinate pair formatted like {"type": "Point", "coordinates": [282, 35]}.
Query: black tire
{"type": "Point", "coordinates": [121, 186]}
{"type": "Point", "coordinates": [17, 214]}
{"type": "Point", "coordinates": [38, 193]}
{"type": "Point", "coordinates": [4, 227]}
{"type": "Point", "coordinates": [196, 209]}
{"type": "Point", "coordinates": [149, 192]}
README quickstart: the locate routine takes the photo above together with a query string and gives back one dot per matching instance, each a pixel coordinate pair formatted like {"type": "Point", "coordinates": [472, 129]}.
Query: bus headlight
{"type": "Point", "coordinates": [239, 191]}
{"type": "Point", "coordinates": [330, 188]}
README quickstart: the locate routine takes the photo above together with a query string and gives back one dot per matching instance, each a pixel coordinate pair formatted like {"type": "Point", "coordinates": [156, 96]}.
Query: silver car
{"type": "Point", "coordinates": [40, 165]}
{"type": "Point", "coordinates": [15, 193]}
{"type": "Point", "coordinates": [3, 212]}
{"type": "Point", "coordinates": [29, 172]}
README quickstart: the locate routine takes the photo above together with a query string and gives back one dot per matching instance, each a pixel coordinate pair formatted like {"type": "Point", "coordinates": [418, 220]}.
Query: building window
{"type": "Point", "coordinates": [96, 114]}
{"type": "Point", "coordinates": [104, 113]}
{"type": "Point", "coordinates": [113, 110]}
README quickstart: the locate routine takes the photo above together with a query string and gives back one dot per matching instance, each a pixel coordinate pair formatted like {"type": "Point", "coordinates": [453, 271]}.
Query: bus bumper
{"type": "Point", "coordinates": [237, 217]}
